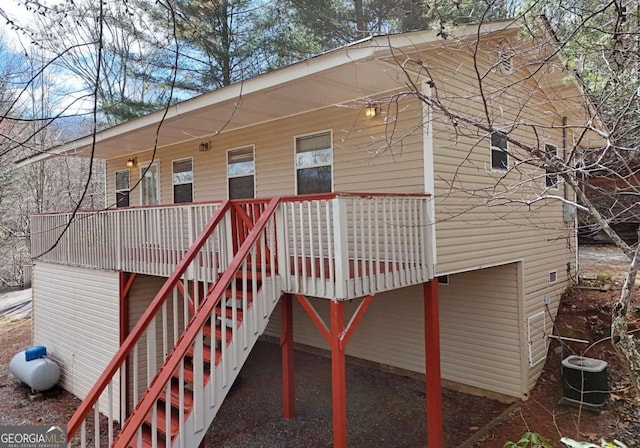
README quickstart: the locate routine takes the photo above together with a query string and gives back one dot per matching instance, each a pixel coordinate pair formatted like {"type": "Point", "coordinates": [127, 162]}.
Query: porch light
{"type": "Point", "coordinates": [132, 162]}
{"type": "Point", "coordinates": [203, 147]}
{"type": "Point", "coordinates": [370, 111]}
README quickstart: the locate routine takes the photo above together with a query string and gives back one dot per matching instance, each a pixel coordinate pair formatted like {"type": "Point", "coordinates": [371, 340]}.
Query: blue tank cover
{"type": "Point", "coordinates": [35, 352]}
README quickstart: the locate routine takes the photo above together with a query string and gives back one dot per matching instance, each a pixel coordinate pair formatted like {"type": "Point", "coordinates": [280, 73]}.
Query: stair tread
{"type": "Point", "coordinates": [175, 396]}
{"type": "Point", "coordinates": [189, 374]}
{"type": "Point", "coordinates": [161, 419]}
{"type": "Point", "coordinates": [229, 313]}
{"type": "Point", "coordinates": [240, 293]}
{"type": "Point", "coordinates": [206, 353]}
{"type": "Point", "coordinates": [228, 337]}
{"type": "Point", "coordinates": [147, 439]}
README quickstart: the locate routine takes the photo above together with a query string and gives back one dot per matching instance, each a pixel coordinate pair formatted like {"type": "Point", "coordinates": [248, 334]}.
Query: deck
{"type": "Point", "coordinates": [336, 246]}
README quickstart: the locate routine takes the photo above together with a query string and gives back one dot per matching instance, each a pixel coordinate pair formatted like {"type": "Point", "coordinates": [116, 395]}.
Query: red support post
{"type": "Point", "coordinates": [126, 282]}
{"type": "Point", "coordinates": [338, 376]}
{"type": "Point", "coordinates": [286, 344]}
{"type": "Point", "coordinates": [433, 384]}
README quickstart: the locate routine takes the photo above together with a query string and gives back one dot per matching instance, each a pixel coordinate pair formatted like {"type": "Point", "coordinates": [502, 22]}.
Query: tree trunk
{"type": "Point", "coordinates": [626, 346]}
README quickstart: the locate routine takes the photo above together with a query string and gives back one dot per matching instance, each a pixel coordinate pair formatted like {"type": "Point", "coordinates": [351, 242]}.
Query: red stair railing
{"type": "Point", "coordinates": [205, 260]}
{"type": "Point", "coordinates": [251, 256]}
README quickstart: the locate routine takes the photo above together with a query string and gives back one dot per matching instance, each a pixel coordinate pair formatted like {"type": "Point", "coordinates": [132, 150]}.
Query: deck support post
{"type": "Point", "coordinates": [126, 281]}
{"type": "Point", "coordinates": [433, 383]}
{"type": "Point", "coordinates": [286, 345]}
{"type": "Point", "coordinates": [338, 375]}
{"type": "Point", "coordinates": [337, 336]}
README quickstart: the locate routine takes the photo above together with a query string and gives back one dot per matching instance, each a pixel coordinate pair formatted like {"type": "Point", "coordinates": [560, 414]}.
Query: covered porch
{"type": "Point", "coordinates": [335, 246]}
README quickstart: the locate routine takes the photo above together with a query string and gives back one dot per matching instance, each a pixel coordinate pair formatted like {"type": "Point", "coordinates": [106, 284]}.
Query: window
{"type": "Point", "coordinates": [499, 154]}
{"type": "Point", "coordinates": [551, 177]}
{"type": "Point", "coordinates": [150, 185]}
{"type": "Point", "coordinates": [182, 178]}
{"type": "Point", "coordinates": [240, 173]}
{"type": "Point", "coordinates": [313, 163]}
{"type": "Point", "coordinates": [553, 277]}
{"type": "Point", "coordinates": [122, 188]}
{"type": "Point", "coordinates": [505, 60]}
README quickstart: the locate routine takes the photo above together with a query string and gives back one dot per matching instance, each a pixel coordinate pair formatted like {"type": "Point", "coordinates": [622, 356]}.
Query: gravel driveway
{"type": "Point", "coordinates": [15, 304]}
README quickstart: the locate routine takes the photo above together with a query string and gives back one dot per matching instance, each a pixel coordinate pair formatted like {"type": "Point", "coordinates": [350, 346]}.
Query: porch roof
{"type": "Point", "coordinates": [349, 76]}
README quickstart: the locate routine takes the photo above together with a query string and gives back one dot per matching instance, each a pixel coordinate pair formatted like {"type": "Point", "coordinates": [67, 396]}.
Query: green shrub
{"type": "Point", "coordinates": [529, 440]}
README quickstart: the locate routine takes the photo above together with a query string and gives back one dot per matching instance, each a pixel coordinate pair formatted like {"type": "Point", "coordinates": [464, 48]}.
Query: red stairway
{"type": "Point", "coordinates": [194, 338]}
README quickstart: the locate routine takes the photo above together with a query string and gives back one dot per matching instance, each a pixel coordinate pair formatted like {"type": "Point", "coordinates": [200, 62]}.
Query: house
{"type": "Point", "coordinates": [617, 194]}
{"type": "Point", "coordinates": [230, 216]}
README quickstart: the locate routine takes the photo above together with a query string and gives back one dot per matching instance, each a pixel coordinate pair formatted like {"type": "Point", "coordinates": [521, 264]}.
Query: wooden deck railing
{"type": "Point", "coordinates": [145, 240]}
{"type": "Point", "coordinates": [338, 245]}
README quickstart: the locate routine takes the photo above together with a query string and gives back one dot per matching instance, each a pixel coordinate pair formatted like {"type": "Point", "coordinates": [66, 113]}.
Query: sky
{"type": "Point", "coordinates": [66, 88]}
{"type": "Point", "coordinates": [16, 12]}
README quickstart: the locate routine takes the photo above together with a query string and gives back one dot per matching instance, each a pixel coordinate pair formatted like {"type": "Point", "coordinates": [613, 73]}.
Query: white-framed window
{"type": "Point", "coordinates": [499, 152]}
{"type": "Point", "coordinates": [182, 179]}
{"type": "Point", "coordinates": [122, 188]}
{"type": "Point", "coordinates": [241, 169]}
{"type": "Point", "coordinates": [150, 184]}
{"type": "Point", "coordinates": [314, 158]}
{"type": "Point", "coordinates": [553, 277]}
{"type": "Point", "coordinates": [443, 280]}
{"type": "Point", "coordinates": [551, 177]}
{"type": "Point", "coordinates": [505, 59]}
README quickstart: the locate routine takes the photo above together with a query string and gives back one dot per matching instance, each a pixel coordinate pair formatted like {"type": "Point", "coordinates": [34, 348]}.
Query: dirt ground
{"type": "Point", "coordinates": [386, 409]}
{"type": "Point", "coordinates": [584, 313]}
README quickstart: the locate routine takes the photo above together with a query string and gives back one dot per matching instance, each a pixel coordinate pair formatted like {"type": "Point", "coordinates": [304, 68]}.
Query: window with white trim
{"type": "Point", "coordinates": [122, 188]}
{"type": "Point", "coordinates": [241, 169]}
{"type": "Point", "coordinates": [314, 156]}
{"type": "Point", "coordinates": [182, 178]}
{"type": "Point", "coordinates": [499, 152]}
{"type": "Point", "coordinates": [551, 177]}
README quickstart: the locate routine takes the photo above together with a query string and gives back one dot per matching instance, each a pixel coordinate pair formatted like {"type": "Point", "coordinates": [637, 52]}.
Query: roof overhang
{"type": "Point", "coordinates": [349, 75]}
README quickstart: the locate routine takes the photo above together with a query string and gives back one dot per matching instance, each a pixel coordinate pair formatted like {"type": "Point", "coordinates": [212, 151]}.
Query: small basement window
{"type": "Point", "coordinates": [499, 152]}
{"type": "Point", "coordinates": [551, 177]}
{"type": "Point", "coordinates": [443, 280]}
{"type": "Point", "coordinates": [505, 60]}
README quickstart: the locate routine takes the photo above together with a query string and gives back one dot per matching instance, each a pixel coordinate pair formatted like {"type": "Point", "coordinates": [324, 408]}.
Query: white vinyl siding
{"type": "Point", "coordinates": [76, 317]}
{"type": "Point", "coordinates": [479, 330]}
{"type": "Point", "coordinates": [363, 159]}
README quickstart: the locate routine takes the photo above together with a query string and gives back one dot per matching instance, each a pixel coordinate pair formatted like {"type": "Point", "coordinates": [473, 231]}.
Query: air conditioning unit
{"type": "Point", "coordinates": [584, 381]}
